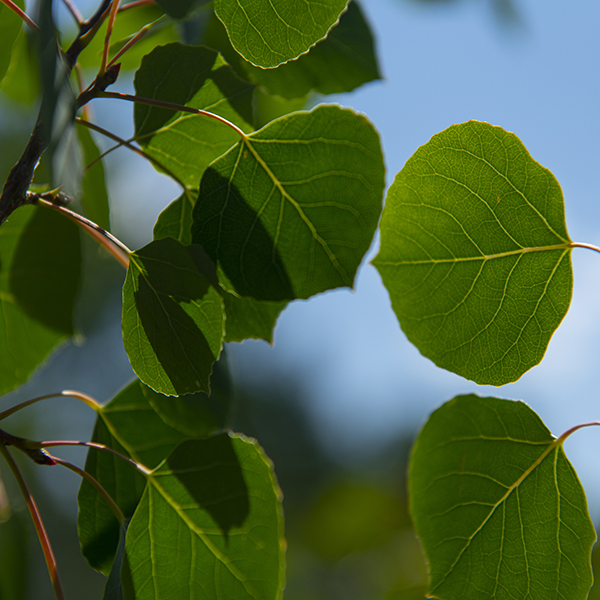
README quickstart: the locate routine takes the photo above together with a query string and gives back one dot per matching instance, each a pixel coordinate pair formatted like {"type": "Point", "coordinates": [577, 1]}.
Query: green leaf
{"type": "Point", "coordinates": [114, 589]}
{"type": "Point", "coordinates": [10, 26]}
{"type": "Point", "coordinates": [475, 253]}
{"type": "Point", "coordinates": [497, 505]}
{"type": "Point", "coordinates": [221, 497]}
{"type": "Point", "coordinates": [15, 564]}
{"type": "Point", "coordinates": [95, 197]}
{"type": "Point", "coordinates": [173, 319]}
{"type": "Point", "coordinates": [138, 414]}
{"type": "Point", "coordinates": [178, 9]}
{"type": "Point", "coordinates": [268, 33]}
{"type": "Point", "coordinates": [175, 221]}
{"type": "Point", "coordinates": [291, 210]}
{"type": "Point", "coordinates": [196, 77]}
{"type": "Point", "coordinates": [37, 289]}
{"type": "Point", "coordinates": [21, 82]}
{"type": "Point", "coordinates": [341, 62]}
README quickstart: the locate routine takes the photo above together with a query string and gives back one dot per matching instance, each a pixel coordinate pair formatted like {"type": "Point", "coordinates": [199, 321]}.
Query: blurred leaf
{"type": "Point", "coordinates": [341, 62]}
{"type": "Point", "coordinates": [268, 108]}
{"type": "Point", "coordinates": [95, 196]}
{"type": "Point", "coordinates": [14, 556]}
{"type": "Point", "coordinates": [21, 82]}
{"type": "Point", "coordinates": [475, 253]}
{"type": "Point", "coordinates": [250, 319]}
{"type": "Point", "coordinates": [196, 77]}
{"type": "Point", "coordinates": [176, 220]}
{"type": "Point", "coordinates": [28, 334]}
{"type": "Point", "coordinates": [291, 210]}
{"type": "Point", "coordinates": [179, 9]}
{"type": "Point", "coordinates": [10, 26]}
{"type": "Point", "coordinates": [138, 414]}
{"type": "Point", "coordinates": [173, 319]}
{"type": "Point", "coordinates": [268, 33]}
{"type": "Point", "coordinates": [497, 505]}
{"type": "Point", "coordinates": [221, 495]}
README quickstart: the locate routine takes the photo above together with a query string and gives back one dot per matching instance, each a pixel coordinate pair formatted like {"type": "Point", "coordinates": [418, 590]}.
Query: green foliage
{"type": "Point", "coordinates": [475, 253]}
{"type": "Point", "coordinates": [497, 505]}
{"type": "Point", "coordinates": [10, 26]}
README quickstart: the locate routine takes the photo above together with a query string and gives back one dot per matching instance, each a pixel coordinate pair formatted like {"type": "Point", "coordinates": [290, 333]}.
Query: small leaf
{"type": "Point", "coordinates": [173, 320]}
{"type": "Point", "coordinates": [125, 424]}
{"type": "Point", "coordinates": [198, 78]}
{"type": "Point", "coordinates": [175, 221]}
{"type": "Point", "coordinates": [268, 33]}
{"type": "Point", "coordinates": [291, 210]}
{"type": "Point", "coordinates": [221, 496]}
{"type": "Point", "coordinates": [10, 26]}
{"type": "Point", "coordinates": [497, 505]}
{"type": "Point", "coordinates": [475, 253]}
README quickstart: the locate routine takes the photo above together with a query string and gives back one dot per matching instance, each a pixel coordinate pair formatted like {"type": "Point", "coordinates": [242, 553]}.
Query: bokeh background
{"type": "Point", "coordinates": [339, 397]}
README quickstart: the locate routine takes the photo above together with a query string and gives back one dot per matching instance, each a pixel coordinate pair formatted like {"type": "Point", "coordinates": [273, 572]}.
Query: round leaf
{"type": "Point", "coordinates": [475, 253]}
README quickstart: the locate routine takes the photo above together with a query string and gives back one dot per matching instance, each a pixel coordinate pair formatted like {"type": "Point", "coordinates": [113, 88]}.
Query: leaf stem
{"type": "Point", "coordinates": [114, 507]}
{"type": "Point", "coordinates": [37, 521]}
{"type": "Point", "coordinates": [134, 40]}
{"type": "Point", "coordinates": [21, 13]}
{"type": "Point", "coordinates": [53, 443]}
{"type": "Point", "coordinates": [583, 245]}
{"type": "Point", "coordinates": [567, 433]}
{"type": "Point", "coordinates": [117, 248]}
{"type": "Point", "coordinates": [135, 4]}
{"type": "Point", "coordinates": [65, 393]}
{"type": "Point", "coordinates": [172, 106]}
{"type": "Point", "coordinates": [109, 27]}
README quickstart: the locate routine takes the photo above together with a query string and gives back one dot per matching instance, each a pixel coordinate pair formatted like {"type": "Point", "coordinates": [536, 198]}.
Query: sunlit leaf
{"type": "Point", "coordinates": [291, 210]}
{"type": "Point", "coordinates": [475, 253]}
{"type": "Point", "coordinates": [173, 320]}
{"type": "Point", "coordinates": [497, 505]}
{"type": "Point", "coordinates": [221, 496]}
{"type": "Point", "coordinates": [196, 77]}
{"type": "Point", "coordinates": [10, 26]}
{"type": "Point", "coordinates": [125, 424]}
{"type": "Point", "coordinates": [176, 219]}
{"type": "Point", "coordinates": [270, 32]}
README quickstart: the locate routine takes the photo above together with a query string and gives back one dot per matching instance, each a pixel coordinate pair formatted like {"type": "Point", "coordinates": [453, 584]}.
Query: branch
{"type": "Point", "coordinates": [10, 4]}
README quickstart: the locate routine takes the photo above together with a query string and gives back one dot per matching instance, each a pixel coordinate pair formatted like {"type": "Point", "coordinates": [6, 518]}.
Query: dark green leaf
{"type": "Point", "coordinates": [173, 319]}
{"type": "Point", "coordinates": [179, 9]}
{"type": "Point", "coordinates": [14, 555]}
{"type": "Point", "coordinates": [497, 505]}
{"type": "Point", "coordinates": [475, 253]}
{"type": "Point", "coordinates": [198, 78]}
{"type": "Point", "coordinates": [114, 589]}
{"type": "Point", "coordinates": [95, 197]}
{"type": "Point", "coordinates": [37, 290]}
{"type": "Point", "coordinates": [268, 33]}
{"type": "Point", "coordinates": [221, 496]}
{"type": "Point", "coordinates": [134, 416]}
{"type": "Point", "coordinates": [341, 62]}
{"type": "Point", "coordinates": [176, 220]}
{"type": "Point", "coordinates": [10, 26]}
{"type": "Point", "coordinates": [291, 210]}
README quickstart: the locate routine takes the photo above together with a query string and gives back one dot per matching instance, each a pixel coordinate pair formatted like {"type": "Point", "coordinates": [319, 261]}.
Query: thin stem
{"type": "Point", "coordinates": [37, 521]}
{"type": "Point", "coordinates": [65, 393]}
{"type": "Point", "coordinates": [583, 245]}
{"type": "Point", "coordinates": [74, 12]}
{"type": "Point", "coordinates": [172, 106]}
{"type": "Point", "coordinates": [567, 433]}
{"type": "Point", "coordinates": [134, 40]}
{"type": "Point", "coordinates": [136, 465]}
{"type": "Point", "coordinates": [135, 4]}
{"type": "Point", "coordinates": [18, 11]}
{"type": "Point", "coordinates": [107, 497]}
{"type": "Point", "coordinates": [131, 147]}
{"type": "Point", "coordinates": [117, 248]}
{"type": "Point", "coordinates": [109, 28]}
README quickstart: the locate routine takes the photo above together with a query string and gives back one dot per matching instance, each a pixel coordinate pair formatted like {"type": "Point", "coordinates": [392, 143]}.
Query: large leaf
{"type": "Point", "coordinates": [134, 416]}
{"type": "Point", "coordinates": [196, 77]}
{"type": "Point", "coordinates": [10, 26]}
{"type": "Point", "coordinates": [270, 32]}
{"type": "Point", "coordinates": [291, 210]}
{"type": "Point", "coordinates": [475, 253]}
{"type": "Point", "coordinates": [173, 319]}
{"type": "Point", "coordinates": [498, 506]}
{"type": "Point", "coordinates": [341, 62]}
{"type": "Point", "coordinates": [39, 276]}
{"type": "Point", "coordinates": [221, 497]}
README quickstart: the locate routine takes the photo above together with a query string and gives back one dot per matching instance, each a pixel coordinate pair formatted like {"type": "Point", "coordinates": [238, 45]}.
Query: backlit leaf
{"type": "Point", "coordinates": [291, 210]}
{"type": "Point", "coordinates": [475, 253]}
{"type": "Point", "coordinates": [176, 219]}
{"type": "Point", "coordinates": [221, 496]}
{"type": "Point", "coordinates": [270, 32]}
{"type": "Point", "coordinates": [196, 77]}
{"type": "Point", "coordinates": [497, 505]}
{"type": "Point", "coordinates": [173, 320]}
{"type": "Point", "coordinates": [10, 26]}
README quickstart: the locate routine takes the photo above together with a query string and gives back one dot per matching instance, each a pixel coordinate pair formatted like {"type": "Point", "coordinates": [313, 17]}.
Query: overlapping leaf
{"type": "Point", "coordinates": [40, 265]}
{"type": "Point", "coordinates": [291, 210]}
{"type": "Point", "coordinates": [196, 77]}
{"type": "Point", "coordinates": [270, 32]}
{"type": "Point", "coordinates": [10, 26]}
{"type": "Point", "coordinates": [341, 62]}
{"type": "Point", "coordinates": [497, 505]}
{"type": "Point", "coordinates": [134, 416]}
{"type": "Point", "coordinates": [173, 320]}
{"type": "Point", "coordinates": [221, 496]}
{"type": "Point", "coordinates": [475, 253]}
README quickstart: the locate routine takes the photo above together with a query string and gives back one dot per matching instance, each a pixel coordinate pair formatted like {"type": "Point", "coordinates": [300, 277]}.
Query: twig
{"type": "Point", "coordinates": [135, 4]}
{"type": "Point", "coordinates": [65, 393]}
{"type": "Point", "coordinates": [21, 13]}
{"type": "Point", "coordinates": [134, 40]}
{"type": "Point", "coordinates": [109, 28]}
{"type": "Point", "coordinates": [74, 12]}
